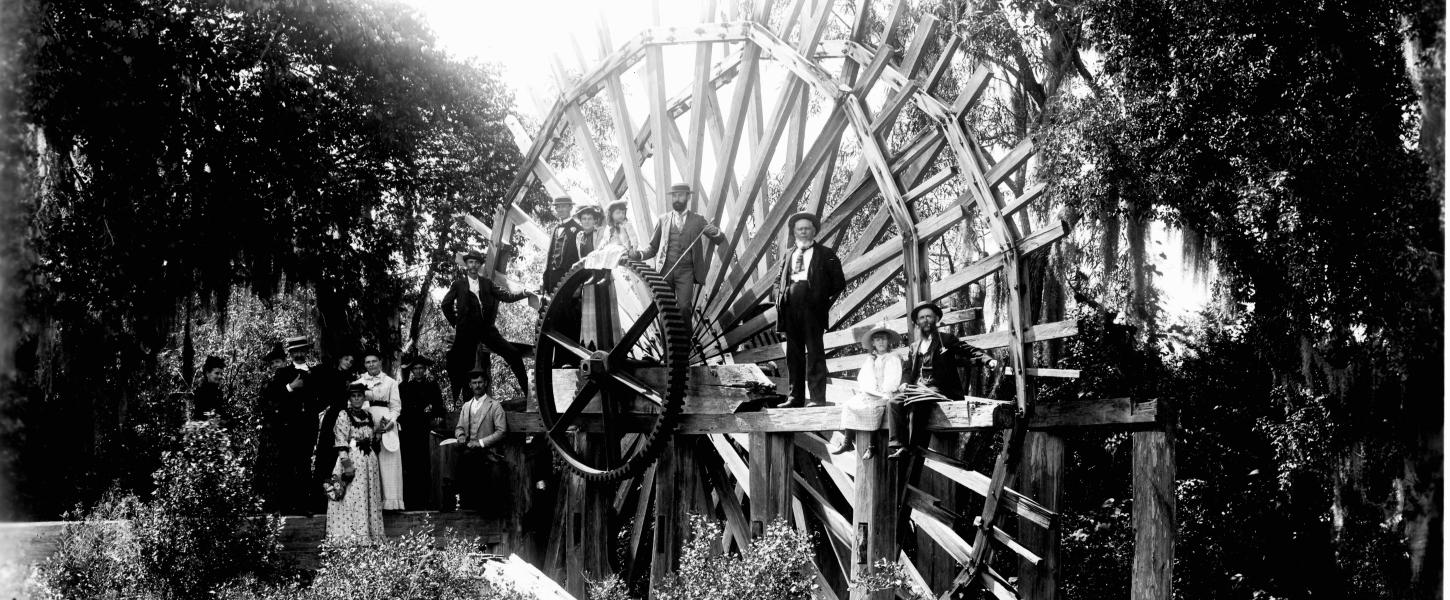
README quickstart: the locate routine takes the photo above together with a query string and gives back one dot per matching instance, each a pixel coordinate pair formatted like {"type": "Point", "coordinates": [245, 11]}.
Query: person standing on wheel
{"type": "Point", "coordinates": [676, 239]}
{"type": "Point", "coordinates": [471, 305]}
{"type": "Point", "coordinates": [809, 281]}
{"type": "Point", "coordinates": [563, 252]}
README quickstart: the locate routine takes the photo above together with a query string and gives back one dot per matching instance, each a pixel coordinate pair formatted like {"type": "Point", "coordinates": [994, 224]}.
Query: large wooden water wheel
{"type": "Point", "coordinates": [850, 111]}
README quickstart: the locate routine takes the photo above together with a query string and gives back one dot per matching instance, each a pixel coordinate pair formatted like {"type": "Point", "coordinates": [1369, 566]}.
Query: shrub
{"type": "Point", "coordinates": [777, 565]}
{"type": "Point", "coordinates": [407, 567]}
{"type": "Point", "coordinates": [200, 531]}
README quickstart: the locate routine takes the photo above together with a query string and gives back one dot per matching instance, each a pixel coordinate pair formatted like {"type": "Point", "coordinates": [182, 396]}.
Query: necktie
{"type": "Point", "coordinates": [799, 264]}
{"type": "Point", "coordinates": [586, 242]}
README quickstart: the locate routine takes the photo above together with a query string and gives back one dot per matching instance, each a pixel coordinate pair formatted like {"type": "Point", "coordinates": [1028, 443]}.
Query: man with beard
{"type": "Point", "coordinates": [676, 239]}
{"type": "Point", "coordinates": [809, 281]}
{"type": "Point", "coordinates": [934, 362]}
{"type": "Point", "coordinates": [285, 441]}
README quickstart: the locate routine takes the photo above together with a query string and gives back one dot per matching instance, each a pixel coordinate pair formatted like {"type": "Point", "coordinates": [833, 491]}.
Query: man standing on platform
{"type": "Point", "coordinates": [480, 433]}
{"type": "Point", "coordinates": [934, 362]}
{"type": "Point", "coordinates": [810, 279]}
{"type": "Point", "coordinates": [562, 251]}
{"type": "Point", "coordinates": [471, 306]}
{"type": "Point", "coordinates": [676, 238]}
{"type": "Point", "coordinates": [284, 445]}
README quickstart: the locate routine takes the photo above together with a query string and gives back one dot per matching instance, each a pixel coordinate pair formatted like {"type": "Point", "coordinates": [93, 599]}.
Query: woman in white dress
{"type": "Point", "coordinates": [386, 404]}
{"type": "Point", "coordinates": [617, 227]}
{"type": "Point", "coordinates": [879, 379]}
{"type": "Point", "coordinates": [355, 496]}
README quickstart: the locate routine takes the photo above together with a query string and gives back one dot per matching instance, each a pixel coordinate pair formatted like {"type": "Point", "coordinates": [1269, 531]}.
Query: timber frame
{"type": "Point", "coordinates": [768, 157]}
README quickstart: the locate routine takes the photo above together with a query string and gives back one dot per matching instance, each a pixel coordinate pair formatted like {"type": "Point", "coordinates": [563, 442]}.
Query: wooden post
{"type": "Point", "coordinates": [874, 514]}
{"type": "Point", "coordinates": [1154, 517]}
{"type": "Point", "coordinates": [772, 464]}
{"type": "Point", "coordinates": [1040, 479]}
{"type": "Point", "coordinates": [936, 564]}
{"type": "Point", "coordinates": [665, 549]}
{"type": "Point", "coordinates": [586, 524]}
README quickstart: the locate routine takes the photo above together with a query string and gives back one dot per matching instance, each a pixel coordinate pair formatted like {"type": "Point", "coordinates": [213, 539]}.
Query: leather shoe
{"type": "Point", "coordinates": [869, 453]}
{"type": "Point", "coordinates": [898, 453]}
{"type": "Point", "coordinates": [841, 448]}
{"type": "Point", "coordinates": [792, 403]}
{"type": "Point", "coordinates": [816, 403]}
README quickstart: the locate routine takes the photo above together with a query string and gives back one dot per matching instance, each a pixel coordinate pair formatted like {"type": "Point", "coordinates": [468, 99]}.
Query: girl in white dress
{"type": "Point", "coordinates": [385, 404]}
{"type": "Point", "coordinates": [879, 379]}
{"type": "Point", "coordinates": [617, 227]}
{"type": "Point", "coordinates": [355, 507]}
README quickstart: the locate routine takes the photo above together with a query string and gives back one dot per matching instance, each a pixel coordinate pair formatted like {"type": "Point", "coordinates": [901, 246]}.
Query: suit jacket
{"type": "Point", "coordinates": [563, 253]}
{"type": "Point", "coordinates": [694, 227]}
{"type": "Point", "coordinates": [949, 358]}
{"type": "Point", "coordinates": [826, 281]}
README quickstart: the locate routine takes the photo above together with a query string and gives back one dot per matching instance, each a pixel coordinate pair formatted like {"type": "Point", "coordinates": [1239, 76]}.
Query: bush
{"type": "Point", "coordinates": [407, 567]}
{"type": "Point", "coordinates": [777, 565]}
{"type": "Point", "coordinates": [201, 531]}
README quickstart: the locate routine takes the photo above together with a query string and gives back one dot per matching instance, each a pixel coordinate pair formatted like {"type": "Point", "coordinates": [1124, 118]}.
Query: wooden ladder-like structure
{"type": "Point", "coordinates": [853, 111]}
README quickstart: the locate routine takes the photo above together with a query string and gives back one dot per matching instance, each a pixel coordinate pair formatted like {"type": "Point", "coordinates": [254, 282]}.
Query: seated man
{"type": "Point", "coordinates": [934, 362]}
{"type": "Point", "coordinates": [480, 433]}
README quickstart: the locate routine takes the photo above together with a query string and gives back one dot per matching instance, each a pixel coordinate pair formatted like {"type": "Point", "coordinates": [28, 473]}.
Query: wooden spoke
{"type": "Point", "coordinates": [632, 335]}
{"type": "Point", "coordinates": [582, 398]}
{"type": "Point", "coordinates": [638, 386]}
{"type": "Point", "coordinates": [565, 343]}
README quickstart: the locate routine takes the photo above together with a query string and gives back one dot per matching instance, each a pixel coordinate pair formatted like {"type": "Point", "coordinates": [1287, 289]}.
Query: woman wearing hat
{"type": "Point", "coordinates": [422, 412]}
{"type": "Point", "coordinates": [879, 379]}
{"type": "Point", "coordinates": [355, 491]}
{"type": "Point", "coordinates": [617, 228]}
{"type": "Point", "coordinates": [383, 399]}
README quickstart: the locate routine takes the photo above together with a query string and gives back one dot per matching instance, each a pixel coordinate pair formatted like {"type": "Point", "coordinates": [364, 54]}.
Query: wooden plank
{"type": "Point", "coordinates": [1023, 200]}
{"type": "Point", "coordinates": [1154, 514]}
{"type": "Point", "coordinates": [665, 547]}
{"type": "Point", "coordinates": [659, 116]}
{"type": "Point", "coordinates": [914, 263]}
{"type": "Point", "coordinates": [997, 585]}
{"type": "Point", "coordinates": [712, 389]}
{"type": "Point", "coordinates": [977, 482]}
{"type": "Point", "coordinates": [944, 536]}
{"type": "Point", "coordinates": [1010, 163]}
{"type": "Point", "coordinates": [794, 59]}
{"type": "Point", "coordinates": [874, 520]}
{"type": "Point", "coordinates": [836, 524]}
{"type": "Point", "coordinates": [639, 204]}
{"type": "Point", "coordinates": [698, 121]}
{"type": "Point", "coordinates": [1117, 413]}
{"type": "Point", "coordinates": [745, 85]}
{"type": "Point", "coordinates": [737, 524]}
{"type": "Point", "coordinates": [641, 514]}
{"type": "Point", "coordinates": [732, 460]}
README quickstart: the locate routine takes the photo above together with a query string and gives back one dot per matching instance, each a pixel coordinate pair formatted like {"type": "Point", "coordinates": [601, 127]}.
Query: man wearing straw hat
{"type": "Point", "coordinates": [934, 365]}
{"type": "Point", "coordinates": [561, 244]}
{"type": "Point", "coordinates": [676, 239]}
{"type": "Point", "coordinates": [809, 281]}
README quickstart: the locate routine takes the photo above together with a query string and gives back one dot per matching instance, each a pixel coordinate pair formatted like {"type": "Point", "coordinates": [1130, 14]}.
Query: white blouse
{"type": "Point", "coordinates": [880, 375]}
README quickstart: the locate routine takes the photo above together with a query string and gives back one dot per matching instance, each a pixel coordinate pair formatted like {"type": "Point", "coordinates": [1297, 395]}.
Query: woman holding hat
{"type": "Point", "coordinates": [355, 492]}
{"type": "Point", "coordinates": [385, 403]}
{"type": "Point", "coordinates": [879, 379]}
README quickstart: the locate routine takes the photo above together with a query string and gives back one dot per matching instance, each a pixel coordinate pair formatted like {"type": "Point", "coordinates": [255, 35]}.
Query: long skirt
{"type": "Point", "coordinates": [390, 462]}
{"type": "Point", "coordinates": [863, 412]}
{"type": "Point", "coordinates": [358, 516]}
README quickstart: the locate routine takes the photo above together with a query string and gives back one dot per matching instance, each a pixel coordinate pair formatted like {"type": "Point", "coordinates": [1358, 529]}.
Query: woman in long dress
{"type": "Point", "coordinates": [355, 496]}
{"type": "Point", "coordinates": [618, 229]}
{"type": "Point", "coordinates": [879, 379]}
{"type": "Point", "coordinates": [386, 404]}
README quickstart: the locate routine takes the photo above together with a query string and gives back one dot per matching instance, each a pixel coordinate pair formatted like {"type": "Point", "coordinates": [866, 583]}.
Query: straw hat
{"type": "Point", "coordinates": [864, 335]}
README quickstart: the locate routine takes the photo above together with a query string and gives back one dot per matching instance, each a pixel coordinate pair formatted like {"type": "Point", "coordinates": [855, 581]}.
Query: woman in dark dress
{"type": "Point", "coordinates": [423, 411]}
{"type": "Point", "coordinates": [332, 378]}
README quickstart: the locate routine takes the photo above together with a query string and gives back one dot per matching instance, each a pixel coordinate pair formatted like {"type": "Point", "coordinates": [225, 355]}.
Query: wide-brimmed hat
{"type": "Point", "coordinates": [357, 386]}
{"type": "Point", "coordinates": [298, 342]}
{"type": "Point", "coordinates": [276, 353]}
{"type": "Point", "coordinates": [213, 362]}
{"type": "Point", "coordinates": [590, 209]}
{"type": "Point", "coordinates": [865, 333]}
{"type": "Point", "coordinates": [563, 200]}
{"type": "Point", "coordinates": [681, 187]}
{"type": "Point", "coordinates": [473, 254]}
{"type": "Point", "coordinates": [413, 360]}
{"type": "Point", "coordinates": [928, 305]}
{"type": "Point", "coordinates": [617, 204]}
{"type": "Point", "coordinates": [478, 372]}
{"type": "Point", "coordinates": [809, 216]}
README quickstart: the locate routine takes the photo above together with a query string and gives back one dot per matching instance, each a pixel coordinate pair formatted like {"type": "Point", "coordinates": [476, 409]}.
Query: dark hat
{"type": "Point", "coordinates": [563, 200]}
{"type": "Point", "coordinates": [624, 204]}
{"type": "Point", "coordinates": [297, 343]}
{"type": "Point", "coordinates": [275, 353]}
{"type": "Point", "coordinates": [213, 362]}
{"type": "Point", "coordinates": [478, 373]}
{"type": "Point", "coordinates": [680, 187]}
{"type": "Point", "coordinates": [473, 254]}
{"type": "Point", "coordinates": [588, 208]}
{"type": "Point", "coordinates": [809, 216]}
{"type": "Point", "coordinates": [864, 335]}
{"type": "Point", "coordinates": [356, 386]}
{"type": "Point", "coordinates": [924, 306]}
{"type": "Point", "coordinates": [412, 361]}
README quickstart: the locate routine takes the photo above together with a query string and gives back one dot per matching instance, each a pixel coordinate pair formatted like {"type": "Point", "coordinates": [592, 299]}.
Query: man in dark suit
{"type": "Point", "coordinates": [935, 362]}
{"type": "Point", "coordinates": [563, 250]}
{"type": "Point", "coordinates": [809, 281]}
{"type": "Point", "coordinates": [676, 241]}
{"type": "Point", "coordinates": [471, 306]}
{"type": "Point", "coordinates": [284, 442]}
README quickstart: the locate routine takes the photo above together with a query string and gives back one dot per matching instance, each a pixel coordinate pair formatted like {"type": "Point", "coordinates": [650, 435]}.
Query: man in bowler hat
{"type": "Point", "coordinates": [677, 241]}
{"type": "Point", "coordinates": [935, 362]}
{"type": "Point", "coordinates": [810, 279]}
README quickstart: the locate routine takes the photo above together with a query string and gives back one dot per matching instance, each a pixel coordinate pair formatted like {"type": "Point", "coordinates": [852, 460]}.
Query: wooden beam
{"type": "Point", "coordinates": [639, 203]}
{"type": "Point", "coordinates": [772, 464]}
{"type": "Point", "coordinates": [1040, 477]}
{"type": "Point", "coordinates": [875, 520]}
{"type": "Point", "coordinates": [1155, 519]}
